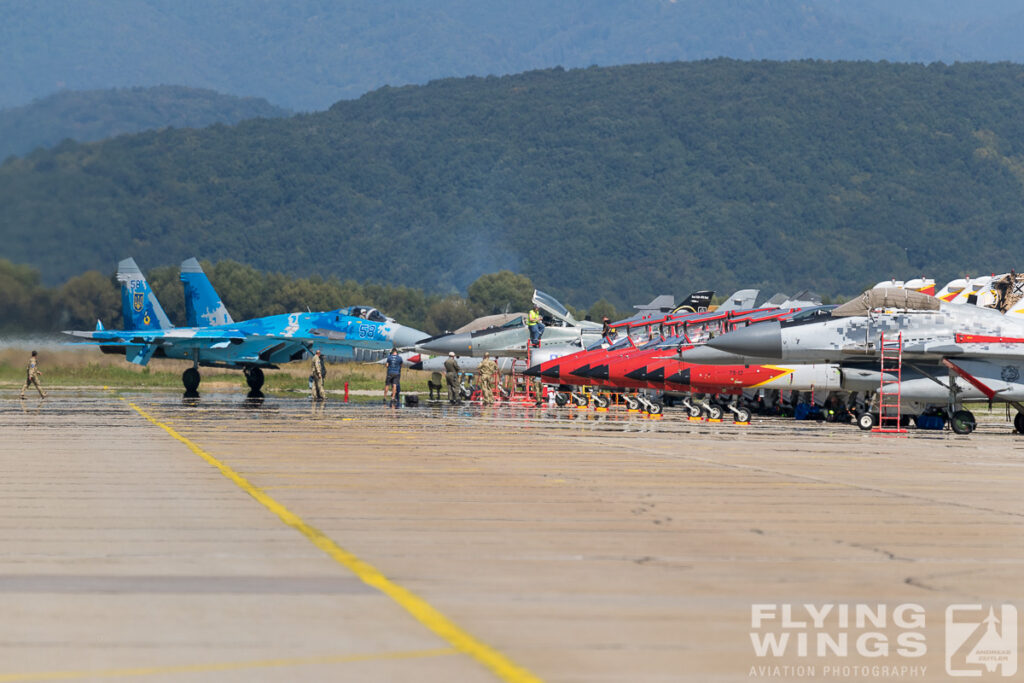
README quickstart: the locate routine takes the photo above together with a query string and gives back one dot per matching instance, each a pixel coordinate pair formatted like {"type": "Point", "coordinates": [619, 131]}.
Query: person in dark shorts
{"type": "Point", "coordinates": [393, 379]}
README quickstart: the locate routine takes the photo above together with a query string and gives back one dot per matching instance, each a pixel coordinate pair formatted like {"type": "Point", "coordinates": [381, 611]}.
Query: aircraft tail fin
{"type": "Point", "coordinates": [139, 306]}
{"type": "Point", "coordinates": [99, 326]}
{"type": "Point", "coordinates": [203, 306]}
{"type": "Point", "coordinates": [663, 303]}
{"type": "Point", "coordinates": [697, 302]}
{"type": "Point", "coordinates": [740, 301]}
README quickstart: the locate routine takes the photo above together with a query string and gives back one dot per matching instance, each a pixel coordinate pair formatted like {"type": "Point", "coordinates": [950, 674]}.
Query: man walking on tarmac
{"type": "Point", "coordinates": [316, 376]}
{"type": "Point", "coordinates": [535, 326]}
{"type": "Point", "coordinates": [393, 379]}
{"type": "Point", "coordinates": [451, 376]}
{"type": "Point", "coordinates": [486, 374]}
{"type": "Point", "coordinates": [32, 374]}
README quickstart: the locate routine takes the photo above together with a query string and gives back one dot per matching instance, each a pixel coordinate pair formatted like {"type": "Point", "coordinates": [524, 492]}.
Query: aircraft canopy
{"type": "Point", "coordinates": [366, 312]}
{"type": "Point", "coordinates": [553, 307]}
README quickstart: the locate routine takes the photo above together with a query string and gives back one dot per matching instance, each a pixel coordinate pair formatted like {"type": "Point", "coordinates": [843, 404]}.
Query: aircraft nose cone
{"type": "Point", "coordinates": [459, 344]}
{"type": "Point", "coordinates": [703, 355]}
{"type": "Point", "coordinates": [406, 337]}
{"type": "Point", "coordinates": [532, 371]}
{"type": "Point", "coordinates": [598, 372]}
{"type": "Point", "coordinates": [763, 340]}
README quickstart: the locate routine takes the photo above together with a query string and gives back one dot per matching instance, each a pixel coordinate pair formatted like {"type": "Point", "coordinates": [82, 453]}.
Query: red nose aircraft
{"type": "Point", "coordinates": [628, 364]}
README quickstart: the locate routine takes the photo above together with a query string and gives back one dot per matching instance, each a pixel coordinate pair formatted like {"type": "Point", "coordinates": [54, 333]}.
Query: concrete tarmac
{"type": "Point", "coordinates": [572, 546]}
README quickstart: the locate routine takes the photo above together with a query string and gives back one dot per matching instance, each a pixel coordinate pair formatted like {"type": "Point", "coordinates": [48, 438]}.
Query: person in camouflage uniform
{"type": "Point", "coordinates": [316, 374]}
{"type": "Point", "coordinates": [486, 376]}
{"type": "Point", "coordinates": [32, 375]}
{"type": "Point", "coordinates": [451, 376]}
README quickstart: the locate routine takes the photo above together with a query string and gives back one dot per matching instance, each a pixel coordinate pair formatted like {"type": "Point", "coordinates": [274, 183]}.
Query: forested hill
{"type": "Point", "coordinates": [91, 115]}
{"type": "Point", "coordinates": [619, 182]}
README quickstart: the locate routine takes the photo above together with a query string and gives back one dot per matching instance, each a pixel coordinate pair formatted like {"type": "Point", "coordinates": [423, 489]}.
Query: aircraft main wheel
{"type": "Point", "coordinates": [654, 409]}
{"type": "Point", "coordinates": [714, 412]}
{"type": "Point", "coordinates": [866, 420]}
{"type": "Point", "coordinates": [742, 415]}
{"type": "Point", "coordinates": [190, 378]}
{"type": "Point", "coordinates": [963, 422]}
{"type": "Point", "coordinates": [254, 378]}
{"type": "Point", "coordinates": [1018, 423]}
{"type": "Point", "coordinates": [561, 399]}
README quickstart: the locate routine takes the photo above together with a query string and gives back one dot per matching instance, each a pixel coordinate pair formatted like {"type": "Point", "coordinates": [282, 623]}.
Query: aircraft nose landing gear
{"type": "Point", "coordinates": [190, 378]}
{"type": "Point", "coordinates": [963, 422]}
{"type": "Point", "coordinates": [254, 378]}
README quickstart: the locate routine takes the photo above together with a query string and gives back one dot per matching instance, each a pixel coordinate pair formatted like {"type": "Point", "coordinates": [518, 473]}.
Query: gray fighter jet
{"type": "Point", "coordinates": [951, 353]}
{"type": "Point", "coordinates": [510, 339]}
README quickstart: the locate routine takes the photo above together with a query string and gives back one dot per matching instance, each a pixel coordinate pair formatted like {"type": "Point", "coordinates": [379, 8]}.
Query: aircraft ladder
{"type": "Point", "coordinates": [889, 390]}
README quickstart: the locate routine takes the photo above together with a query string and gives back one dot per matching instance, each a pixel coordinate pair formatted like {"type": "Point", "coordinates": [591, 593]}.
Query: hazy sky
{"type": "Point", "coordinates": [307, 54]}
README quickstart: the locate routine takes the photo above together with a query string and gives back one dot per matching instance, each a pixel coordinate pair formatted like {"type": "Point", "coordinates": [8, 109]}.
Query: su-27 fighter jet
{"type": "Point", "coordinates": [213, 339]}
{"type": "Point", "coordinates": [952, 353]}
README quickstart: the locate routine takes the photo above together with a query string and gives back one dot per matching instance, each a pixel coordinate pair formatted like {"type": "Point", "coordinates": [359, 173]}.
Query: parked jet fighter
{"type": "Point", "coordinates": [213, 339]}
{"type": "Point", "coordinates": [510, 339]}
{"type": "Point", "coordinates": [951, 353]}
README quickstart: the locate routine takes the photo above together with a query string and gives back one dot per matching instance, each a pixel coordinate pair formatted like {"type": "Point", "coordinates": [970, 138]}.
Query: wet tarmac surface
{"type": "Point", "coordinates": [146, 536]}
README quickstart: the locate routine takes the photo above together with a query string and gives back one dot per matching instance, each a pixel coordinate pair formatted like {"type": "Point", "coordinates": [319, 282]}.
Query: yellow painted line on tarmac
{"type": "Point", "coordinates": [419, 608]}
{"type": "Point", "coordinates": [224, 666]}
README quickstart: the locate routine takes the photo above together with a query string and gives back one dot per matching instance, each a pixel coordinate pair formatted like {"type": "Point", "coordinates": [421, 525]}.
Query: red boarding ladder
{"type": "Point", "coordinates": [528, 394]}
{"type": "Point", "coordinates": [889, 390]}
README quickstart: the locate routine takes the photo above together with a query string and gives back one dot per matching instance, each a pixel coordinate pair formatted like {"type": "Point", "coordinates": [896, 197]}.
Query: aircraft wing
{"type": "Point", "coordinates": [206, 338]}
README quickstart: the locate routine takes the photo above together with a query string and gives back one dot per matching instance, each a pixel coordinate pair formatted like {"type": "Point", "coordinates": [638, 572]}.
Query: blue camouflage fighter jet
{"type": "Point", "coordinates": [214, 339]}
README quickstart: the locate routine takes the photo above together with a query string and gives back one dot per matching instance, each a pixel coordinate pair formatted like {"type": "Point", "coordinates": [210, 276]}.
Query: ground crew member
{"type": "Point", "coordinates": [316, 375]}
{"type": "Point", "coordinates": [451, 376]}
{"type": "Point", "coordinates": [607, 331]}
{"type": "Point", "coordinates": [393, 378]}
{"type": "Point", "coordinates": [434, 385]}
{"type": "Point", "coordinates": [32, 375]}
{"type": "Point", "coordinates": [534, 325]}
{"type": "Point", "coordinates": [538, 391]}
{"type": "Point", "coordinates": [487, 374]}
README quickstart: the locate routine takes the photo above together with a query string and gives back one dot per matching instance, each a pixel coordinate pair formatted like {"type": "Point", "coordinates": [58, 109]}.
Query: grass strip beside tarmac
{"type": "Point", "coordinates": [90, 368]}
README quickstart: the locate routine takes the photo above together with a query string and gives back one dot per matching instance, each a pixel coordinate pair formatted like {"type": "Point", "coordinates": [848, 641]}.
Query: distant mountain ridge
{"type": "Point", "coordinates": [91, 115]}
{"type": "Point", "coordinates": [617, 182]}
{"type": "Point", "coordinates": [308, 54]}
